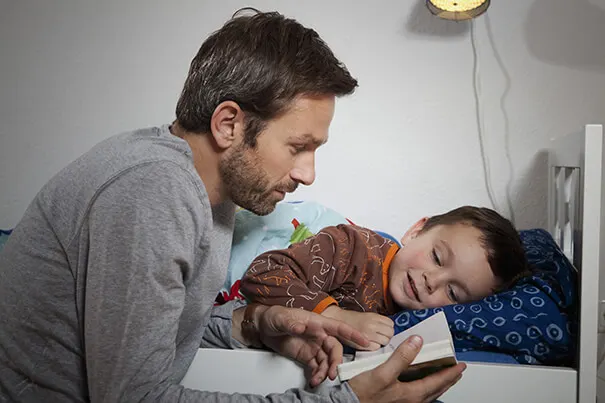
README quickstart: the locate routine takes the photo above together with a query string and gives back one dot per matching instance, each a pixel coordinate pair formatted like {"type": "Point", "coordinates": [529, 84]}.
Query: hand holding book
{"type": "Point", "coordinates": [437, 351]}
{"type": "Point", "coordinates": [381, 384]}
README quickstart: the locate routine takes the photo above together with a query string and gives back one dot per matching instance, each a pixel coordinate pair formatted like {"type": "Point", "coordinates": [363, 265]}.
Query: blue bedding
{"type": "Point", "coordinates": [533, 323]}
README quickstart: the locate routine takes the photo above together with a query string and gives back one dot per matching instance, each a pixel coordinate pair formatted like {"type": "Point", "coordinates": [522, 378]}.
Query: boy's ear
{"type": "Point", "coordinates": [227, 124]}
{"type": "Point", "coordinates": [414, 230]}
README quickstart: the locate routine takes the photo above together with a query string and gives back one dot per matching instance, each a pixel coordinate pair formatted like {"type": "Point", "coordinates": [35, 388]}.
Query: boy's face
{"type": "Point", "coordinates": [444, 265]}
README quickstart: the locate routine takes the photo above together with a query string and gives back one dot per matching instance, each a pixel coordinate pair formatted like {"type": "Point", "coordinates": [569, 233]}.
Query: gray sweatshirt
{"type": "Point", "coordinates": [107, 284]}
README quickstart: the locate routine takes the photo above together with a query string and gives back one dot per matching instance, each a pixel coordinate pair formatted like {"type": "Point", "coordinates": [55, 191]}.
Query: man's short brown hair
{"type": "Point", "coordinates": [261, 62]}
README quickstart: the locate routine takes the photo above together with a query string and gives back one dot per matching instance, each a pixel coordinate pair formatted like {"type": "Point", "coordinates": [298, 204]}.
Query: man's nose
{"type": "Point", "coordinates": [304, 171]}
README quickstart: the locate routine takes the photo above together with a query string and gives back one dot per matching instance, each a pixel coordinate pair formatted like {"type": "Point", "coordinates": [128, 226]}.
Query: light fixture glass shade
{"type": "Point", "coordinates": [457, 10]}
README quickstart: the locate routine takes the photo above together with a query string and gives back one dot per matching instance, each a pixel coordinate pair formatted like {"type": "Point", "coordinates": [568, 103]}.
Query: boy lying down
{"type": "Point", "coordinates": [355, 275]}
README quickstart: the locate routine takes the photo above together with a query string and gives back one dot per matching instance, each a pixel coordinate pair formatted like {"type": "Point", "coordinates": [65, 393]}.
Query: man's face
{"type": "Point", "coordinates": [257, 178]}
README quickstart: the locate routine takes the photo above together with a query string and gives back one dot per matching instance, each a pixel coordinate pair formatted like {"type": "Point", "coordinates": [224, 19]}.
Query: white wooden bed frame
{"type": "Point", "coordinates": [576, 202]}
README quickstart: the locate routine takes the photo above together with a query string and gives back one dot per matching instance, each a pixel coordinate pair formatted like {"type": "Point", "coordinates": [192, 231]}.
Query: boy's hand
{"type": "Point", "coordinates": [377, 328]}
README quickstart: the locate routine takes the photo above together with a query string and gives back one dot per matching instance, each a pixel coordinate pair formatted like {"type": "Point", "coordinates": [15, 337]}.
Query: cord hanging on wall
{"type": "Point", "coordinates": [457, 10]}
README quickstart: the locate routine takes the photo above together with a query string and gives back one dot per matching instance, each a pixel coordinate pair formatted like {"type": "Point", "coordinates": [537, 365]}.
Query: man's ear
{"type": "Point", "coordinates": [414, 230]}
{"type": "Point", "coordinates": [227, 124]}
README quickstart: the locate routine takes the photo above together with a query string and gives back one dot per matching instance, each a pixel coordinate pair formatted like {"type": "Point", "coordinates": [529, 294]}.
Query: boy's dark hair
{"type": "Point", "coordinates": [261, 62]}
{"type": "Point", "coordinates": [499, 238]}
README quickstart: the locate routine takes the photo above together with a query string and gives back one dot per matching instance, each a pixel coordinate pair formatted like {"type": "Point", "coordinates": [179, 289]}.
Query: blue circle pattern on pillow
{"type": "Point", "coordinates": [534, 322]}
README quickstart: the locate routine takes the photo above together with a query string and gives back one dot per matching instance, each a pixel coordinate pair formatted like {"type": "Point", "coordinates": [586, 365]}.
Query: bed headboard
{"type": "Point", "coordinates": [576, 205]}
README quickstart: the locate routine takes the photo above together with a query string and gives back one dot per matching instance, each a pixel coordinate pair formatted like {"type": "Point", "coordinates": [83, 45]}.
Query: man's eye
{"type": "Point", "coordinates": [296, 149]}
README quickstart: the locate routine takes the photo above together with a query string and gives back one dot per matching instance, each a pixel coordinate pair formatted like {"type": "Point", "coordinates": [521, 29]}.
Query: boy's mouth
{"type": "Point", "coordinates": [414, 289]}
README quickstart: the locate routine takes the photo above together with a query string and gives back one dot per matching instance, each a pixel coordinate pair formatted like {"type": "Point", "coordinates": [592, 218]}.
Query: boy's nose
{"type": "Point", "coordinates": [427, 283]}
{"type": "Point", "coordinates": [432, 280]}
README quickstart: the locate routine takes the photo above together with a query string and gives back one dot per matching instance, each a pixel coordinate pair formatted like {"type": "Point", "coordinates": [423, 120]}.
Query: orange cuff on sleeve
{"type": "Point", "coordinates": [385, 275]}
{"type": "Point", "coordinates": [326, 302]}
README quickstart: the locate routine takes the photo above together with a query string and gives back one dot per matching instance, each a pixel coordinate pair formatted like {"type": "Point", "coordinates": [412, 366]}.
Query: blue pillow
{"type": "Point", "coordinates": [534, 321]}
{"type": "Point", "coordinates": [4, 237]}
{"type": "Point", "coordinates": [388, 236]}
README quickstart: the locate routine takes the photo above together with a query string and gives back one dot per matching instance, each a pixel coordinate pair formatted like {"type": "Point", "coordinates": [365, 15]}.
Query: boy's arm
{"type": "Point", "coordinates": [303, 275]}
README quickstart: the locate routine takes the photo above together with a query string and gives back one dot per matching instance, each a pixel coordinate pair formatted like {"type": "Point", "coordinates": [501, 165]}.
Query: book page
{"type": "Point", "coordinates": [433, 329]}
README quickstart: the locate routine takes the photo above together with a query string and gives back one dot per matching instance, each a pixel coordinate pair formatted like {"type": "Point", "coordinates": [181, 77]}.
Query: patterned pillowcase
{"type": "Point", "coordinates": [534, 321]}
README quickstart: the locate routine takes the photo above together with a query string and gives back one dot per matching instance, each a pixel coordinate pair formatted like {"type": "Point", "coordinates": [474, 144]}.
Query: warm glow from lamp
{"type": "Point", "coordinates": [457, 9]}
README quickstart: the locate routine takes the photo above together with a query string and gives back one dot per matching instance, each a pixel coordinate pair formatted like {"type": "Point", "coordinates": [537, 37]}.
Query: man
{"type": "Point", "coordinates": [107, 283]}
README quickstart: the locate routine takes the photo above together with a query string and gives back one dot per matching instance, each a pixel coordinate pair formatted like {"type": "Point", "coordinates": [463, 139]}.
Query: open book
{"type": "Point", "coordinates": [437, 351]}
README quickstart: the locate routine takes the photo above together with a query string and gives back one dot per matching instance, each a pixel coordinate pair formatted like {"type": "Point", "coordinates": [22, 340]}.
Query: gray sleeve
{"type": "Point", "coordinates": [218, 332]}
{"type": "Point", "coordinates": [142, 232]}
{"type": "Point", "coordinates": [218, 335]}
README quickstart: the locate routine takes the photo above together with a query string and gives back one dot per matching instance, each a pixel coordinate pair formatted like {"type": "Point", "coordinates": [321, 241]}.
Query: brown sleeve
{"type": "Point", "coordinates": [303, 275]}
{"type": "Point", "coordinates": [366, 287]}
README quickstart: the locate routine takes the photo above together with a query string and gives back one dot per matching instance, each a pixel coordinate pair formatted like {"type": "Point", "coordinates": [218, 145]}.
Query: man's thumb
{"type": "Point", "coordinates": [402, 357]}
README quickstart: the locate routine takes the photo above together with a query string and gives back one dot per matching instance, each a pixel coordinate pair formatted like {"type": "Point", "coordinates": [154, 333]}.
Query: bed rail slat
{"type": "Point", "coordinates": [593, 240]}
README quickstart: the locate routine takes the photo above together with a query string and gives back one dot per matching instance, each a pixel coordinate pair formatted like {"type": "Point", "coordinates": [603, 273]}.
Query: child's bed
{"type": "Point", "coordinates": [576, 204]}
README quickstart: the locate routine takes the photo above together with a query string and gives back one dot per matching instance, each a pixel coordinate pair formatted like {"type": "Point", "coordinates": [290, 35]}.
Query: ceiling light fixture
{"type": "Point", "coordinates": [457, 10]}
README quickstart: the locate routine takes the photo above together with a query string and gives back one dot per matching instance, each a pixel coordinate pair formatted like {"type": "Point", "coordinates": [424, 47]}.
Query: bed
{"type": "Point", "coordinates": [575, 208]}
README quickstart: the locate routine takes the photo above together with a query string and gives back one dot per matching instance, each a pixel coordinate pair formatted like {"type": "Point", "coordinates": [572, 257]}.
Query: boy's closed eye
{"type": "Point", "coordinates": [452, 294]}
{"type": "Point", "coordinates": [436, 258]}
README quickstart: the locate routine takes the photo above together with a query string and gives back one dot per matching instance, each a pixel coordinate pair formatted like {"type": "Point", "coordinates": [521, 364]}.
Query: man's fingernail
{"type": "Point", "coordinates": [415, 341]}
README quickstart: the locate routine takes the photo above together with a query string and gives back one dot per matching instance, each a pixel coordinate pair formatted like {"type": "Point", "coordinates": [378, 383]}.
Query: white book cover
{"type": "Point", "coordinates": [437, 351]}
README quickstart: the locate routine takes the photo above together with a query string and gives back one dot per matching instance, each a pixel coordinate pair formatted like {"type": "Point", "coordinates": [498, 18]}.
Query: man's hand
{"type": "Point", "coordinates": [308, 338]}
{"type": "Point", "coordinates": [377, 328]}
{"type": "Point", "coordinates": [381, 385]}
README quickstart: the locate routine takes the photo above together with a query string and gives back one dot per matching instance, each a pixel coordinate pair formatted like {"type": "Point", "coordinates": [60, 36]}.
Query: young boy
{"type": "Point", "coordinates": [355, 275]}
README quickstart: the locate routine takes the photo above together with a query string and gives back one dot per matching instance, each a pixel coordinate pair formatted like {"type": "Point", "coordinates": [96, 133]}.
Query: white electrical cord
{"type": "Point", "coordinates": [477, 94]}
{"type": "Point", "coordinates": [480, 123]}
{"type": "Point", "coordinates": [507, 86]}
